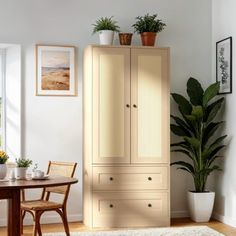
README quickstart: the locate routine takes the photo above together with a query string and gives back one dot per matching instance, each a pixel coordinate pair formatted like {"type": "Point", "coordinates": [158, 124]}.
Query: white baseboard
{"type": "Point", "coordinates": [47, 219]}
{"type": "Point", "coordinates": [224, 219]}
{"type": "Point", "coordinates": [179, 214]}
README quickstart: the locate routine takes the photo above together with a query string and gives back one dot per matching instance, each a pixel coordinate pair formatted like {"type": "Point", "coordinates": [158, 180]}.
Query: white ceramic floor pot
{"type": "Point", "coordinates": [106, 37]}
{"type": "Point", "coordinates": [201, 205]}
{"type": "Point", "coordinates": [20, 172]}
{"type": "Point", "coordinates": [3, 171]}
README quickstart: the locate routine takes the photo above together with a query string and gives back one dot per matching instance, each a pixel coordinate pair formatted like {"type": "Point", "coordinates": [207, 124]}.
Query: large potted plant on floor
{"type": "Point", "coordinates": [106, 27]}
{"type": "Point", "coordinates": [148, 26]}
{"type": "Point", "coordinates": [200, 144]}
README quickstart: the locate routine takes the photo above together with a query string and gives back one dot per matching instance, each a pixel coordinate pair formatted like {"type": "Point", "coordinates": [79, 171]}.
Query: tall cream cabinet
{"type": "Point", "coordinates": [126, 136]}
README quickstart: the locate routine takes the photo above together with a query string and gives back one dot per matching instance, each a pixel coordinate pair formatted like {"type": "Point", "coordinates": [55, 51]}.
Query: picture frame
{"type": "Point", "coordinates": [55, 70]}
{"type": "Point", "coordinates": [224, 65]}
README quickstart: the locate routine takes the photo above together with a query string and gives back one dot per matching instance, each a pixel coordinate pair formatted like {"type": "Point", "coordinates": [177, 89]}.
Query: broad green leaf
{"type": "Point", "coordinates": [195, 91]}
{"type": "Point", "coordinates": [212, 110]}
{"type": "Point", "coordinates": [182, 124]}
{"type": "Point", "coordinates": [177, 144]}
{"type": "Point", "coordinates": [183, 103]}
{"type": "Point", "coordinates": [189, 122]}
{"type": "Point", "coordinates": [214, 152]}
{"type": "Point", "coordinates": [191, 118]}
{"type": "Point", "coordinates": [197, 112]}
{"type": "Point", "coordinates": [217, 141]}
{"type": "Point", "coordinates": [209, 170]}
{"type": "Point", "coordinates": [193, 141]}
{"type": "Point", "coordinates": [184, 164]}
{"type": "Point", "coordinates": [177, 130]}
{"type": "Point", "coordinates": [213, 159]}
{"type": "Point", "coordinates": [211, 92]}
{"type": "Point", "coordinates": [210, 130]}
{"type": "Point", "coordinates": [183, 151]}
{"type": "Point", "coordinates": [185, 169]}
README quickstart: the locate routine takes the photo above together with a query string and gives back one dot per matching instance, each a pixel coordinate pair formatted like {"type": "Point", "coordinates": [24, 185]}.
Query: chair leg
{"type": "Point", "coordinates": [63, 215]}
{"type": "Point", "coordinates": [22, 215]}
{"type": "Point", "coordinates": [37, 227]}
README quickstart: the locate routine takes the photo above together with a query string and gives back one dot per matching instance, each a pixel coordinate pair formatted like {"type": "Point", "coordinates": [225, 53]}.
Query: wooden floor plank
{"type": "Point", "coordinates": [220, 227]}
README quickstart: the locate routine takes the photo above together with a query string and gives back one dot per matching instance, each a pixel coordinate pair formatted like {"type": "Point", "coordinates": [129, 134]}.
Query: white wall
{"type": "Point", "coordinates": [223, 18]}
{"type": "Point", "coordinates": [52, 126]}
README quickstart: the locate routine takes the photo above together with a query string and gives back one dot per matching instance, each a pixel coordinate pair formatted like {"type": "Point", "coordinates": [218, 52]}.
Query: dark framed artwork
{"type": "Point", "coordinates": [224, 65]}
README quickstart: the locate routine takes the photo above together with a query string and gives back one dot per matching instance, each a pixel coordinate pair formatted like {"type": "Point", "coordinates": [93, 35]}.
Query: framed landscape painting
{"type": "Point", "coordinates": [55, 70]}
{"type": "Point", "coordinates": [224, 65]}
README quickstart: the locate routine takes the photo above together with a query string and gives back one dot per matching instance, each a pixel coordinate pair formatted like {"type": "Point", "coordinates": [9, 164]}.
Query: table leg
{"type": "Point", "coordinates": [14, 217]}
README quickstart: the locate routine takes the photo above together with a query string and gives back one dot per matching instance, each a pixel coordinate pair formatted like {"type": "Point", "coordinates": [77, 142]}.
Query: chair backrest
{"type": "Point", "coordinates": [66, 169]}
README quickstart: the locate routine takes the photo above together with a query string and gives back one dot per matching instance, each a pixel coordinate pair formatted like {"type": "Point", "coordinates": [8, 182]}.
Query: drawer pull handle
{"type": "Point", "coordinates": [150, 178]}
{"type": "Point", "coordinates": [111, 178]}
{"type": "Point", "coordinates": [127, 105]}
{"type": "Point", "coordinates": [135, 106]}
{"type": "Point", "coordinates": [149, 205]}
{"type": "Point", "coordinates": [111, 205]}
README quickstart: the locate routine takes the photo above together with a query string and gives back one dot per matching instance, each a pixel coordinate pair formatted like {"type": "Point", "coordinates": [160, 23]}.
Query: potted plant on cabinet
{"type": "Point", "coordinates": [148, 26]}
{"type": "Point", "coordinates": [106, 27]}
{"type": "Point", "coordinates": [197, 128]}
{"type": "Point", "coordinates": [3, 168]}
{"type": "Point", "coordinates": [22, 165]}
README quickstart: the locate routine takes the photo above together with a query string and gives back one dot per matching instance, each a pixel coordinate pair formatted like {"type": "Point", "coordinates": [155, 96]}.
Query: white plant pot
{"type": "Point", "coordinates": [3, 171]}
{"type": "Point", "coordinates": [201, 205]}
{"type": "Point", "coordinates": [106, 37]}
{"type": "Point", "coordinates": [20, 172]}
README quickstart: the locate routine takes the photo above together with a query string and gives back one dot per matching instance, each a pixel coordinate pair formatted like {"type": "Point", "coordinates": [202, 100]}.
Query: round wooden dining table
{"type": "Point", "coordinates": [10, 190]}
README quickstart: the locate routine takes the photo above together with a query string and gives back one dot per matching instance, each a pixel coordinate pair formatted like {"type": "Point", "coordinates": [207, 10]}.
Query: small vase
{"type": "Point", "coordinates": [20, 172]}
{"type": "Point", "coordinates": [3, 171]}
{"type": "Point", "coordinates": [106, 37]}
{"type": "Point", "coordinates": [148, 38]}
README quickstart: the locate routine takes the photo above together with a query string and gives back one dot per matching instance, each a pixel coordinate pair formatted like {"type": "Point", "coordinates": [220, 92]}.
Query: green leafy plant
{"type": "Point", "coordinates": [105, 23]}
{"type": "Point", "coordinates": [197, 128]}
{"type": "Point", "coordinates": [22, 162]}
{"type": "Point", "coordinates": [148, 23]}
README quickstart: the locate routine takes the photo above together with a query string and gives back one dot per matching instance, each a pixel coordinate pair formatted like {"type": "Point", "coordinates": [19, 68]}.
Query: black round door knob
{"type": "Point", "coordinates": [149, 178]}
{"type": "Point", "coordinates": [111, 205]}
{"type": "Point", "coordinates": [149, 205]}
{"type": "Point", "coordinates": [127, 105]}
{"type": "Point", "coordinates": [135, 106]}
{"type": "Point", "coordinates": [111, 178]}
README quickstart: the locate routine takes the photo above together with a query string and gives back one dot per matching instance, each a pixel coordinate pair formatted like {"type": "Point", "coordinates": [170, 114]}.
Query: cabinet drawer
{"type": "Point", "coordinates": [130, 178]}
{"type": "Point", "coordinates": [130, 209]}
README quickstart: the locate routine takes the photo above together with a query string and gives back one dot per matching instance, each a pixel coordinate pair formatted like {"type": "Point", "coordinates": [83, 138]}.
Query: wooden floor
{"type": "Point", "coordinates": [225, 229]}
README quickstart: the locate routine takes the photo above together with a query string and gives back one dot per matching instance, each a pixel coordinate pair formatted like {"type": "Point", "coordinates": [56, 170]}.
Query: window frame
{"type": "Point", "coordinates": [3, 103]}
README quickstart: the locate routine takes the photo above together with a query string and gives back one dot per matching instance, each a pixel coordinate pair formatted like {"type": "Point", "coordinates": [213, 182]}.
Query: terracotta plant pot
{"type": "Point", "coordinates": [125, 38]}
{"type": "Point", "coordinates": [148, 38]}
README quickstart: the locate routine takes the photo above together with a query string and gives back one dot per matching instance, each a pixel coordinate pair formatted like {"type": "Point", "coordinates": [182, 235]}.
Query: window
{"type": "Point", "coordinates": [10, 100]}
{"type": "Point", "coordinates": [2, 98]}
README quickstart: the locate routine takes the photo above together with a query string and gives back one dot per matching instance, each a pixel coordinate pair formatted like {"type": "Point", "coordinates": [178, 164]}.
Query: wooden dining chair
{"type": "Point", "coordinates": [37, 207]}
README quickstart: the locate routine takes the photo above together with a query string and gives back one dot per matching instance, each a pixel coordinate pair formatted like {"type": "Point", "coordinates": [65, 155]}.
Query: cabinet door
{"type": "Point", "coordinates": [111, 105]}
{"type": "Point", "coordinates": [150, 106]}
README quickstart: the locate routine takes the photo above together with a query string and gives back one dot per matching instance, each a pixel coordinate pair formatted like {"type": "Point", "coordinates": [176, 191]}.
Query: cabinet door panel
{"type": "Point", "coordinates": [150, 110]}
{"type": "Point", "coordinates": [111, 94]}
